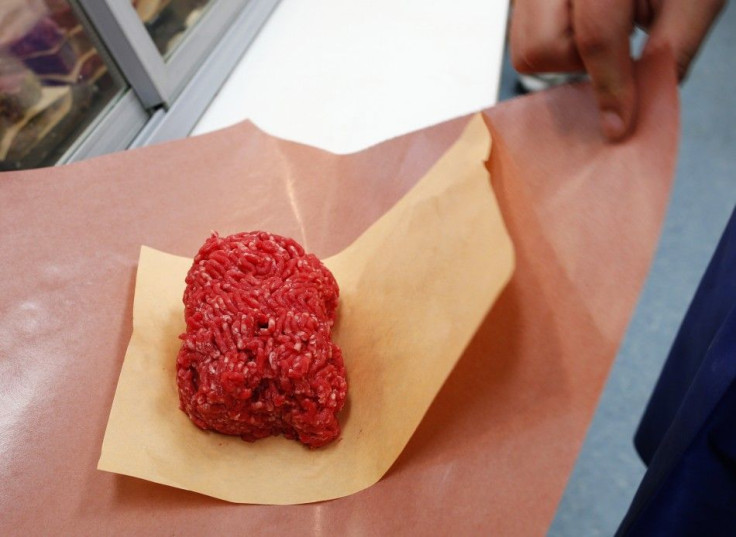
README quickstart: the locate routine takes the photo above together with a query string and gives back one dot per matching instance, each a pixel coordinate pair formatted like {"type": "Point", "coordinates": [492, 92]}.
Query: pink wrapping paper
{"type": "Point", "coordinates": [494, 451]}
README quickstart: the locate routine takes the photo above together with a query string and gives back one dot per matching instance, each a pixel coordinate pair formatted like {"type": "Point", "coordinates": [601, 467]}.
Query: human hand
{"type": "Point", "coordinates": [593, 36]}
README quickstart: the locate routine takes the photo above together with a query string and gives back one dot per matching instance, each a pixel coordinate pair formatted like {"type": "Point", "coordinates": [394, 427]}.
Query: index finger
{"type": "Point", "coordinates": [602, 29]}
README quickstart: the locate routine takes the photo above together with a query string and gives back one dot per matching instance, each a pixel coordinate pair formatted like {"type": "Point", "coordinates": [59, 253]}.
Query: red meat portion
{"type": "Point", "coordinates": [257, 357]}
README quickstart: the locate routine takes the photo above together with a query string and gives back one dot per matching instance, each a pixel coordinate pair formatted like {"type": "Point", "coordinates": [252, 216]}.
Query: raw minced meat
{"type": "Point", "coordinates": [257, 357]}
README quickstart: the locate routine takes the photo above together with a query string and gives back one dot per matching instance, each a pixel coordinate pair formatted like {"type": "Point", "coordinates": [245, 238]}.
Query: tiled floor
{"type": "Point", "coordinates": [608, 470]}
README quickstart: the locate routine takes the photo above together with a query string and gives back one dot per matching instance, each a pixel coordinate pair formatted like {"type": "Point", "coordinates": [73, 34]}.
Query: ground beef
{"type": "Point", "coordinates": [257, 357]}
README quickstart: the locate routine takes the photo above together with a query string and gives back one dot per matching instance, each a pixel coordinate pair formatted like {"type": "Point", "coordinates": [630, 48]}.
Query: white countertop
{"type": "Point", "coordinates": [346, 75]}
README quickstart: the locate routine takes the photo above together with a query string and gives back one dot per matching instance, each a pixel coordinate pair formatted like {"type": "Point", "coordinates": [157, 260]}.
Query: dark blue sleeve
{"type": "Point", "coordinates": [697, 497]}
{"type": "Point", "coordinates": [688, 433]}
{"type": "Point", "coordinates": [714, 299]}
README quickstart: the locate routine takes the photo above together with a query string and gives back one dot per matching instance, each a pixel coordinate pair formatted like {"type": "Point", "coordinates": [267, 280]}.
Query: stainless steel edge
{"type": "Point", "coordinates": [133, 50]}
{"type": "Point", "coordinates": [180, 118]}
{"type": "Point", "coordinates": [200, 40]}
{"type": "Point", "coordinates": [114, 130]}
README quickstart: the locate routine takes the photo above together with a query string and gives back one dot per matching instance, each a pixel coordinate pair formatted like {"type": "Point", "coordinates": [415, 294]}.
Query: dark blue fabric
{"type": "Point", "coordinates": [688, 433]}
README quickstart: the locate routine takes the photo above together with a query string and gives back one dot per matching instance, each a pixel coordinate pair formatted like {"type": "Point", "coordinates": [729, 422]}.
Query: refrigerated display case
{"type": "Point", "coordinates": [53, 82]}
{"type": "Point", "coordinates": [79, 78]}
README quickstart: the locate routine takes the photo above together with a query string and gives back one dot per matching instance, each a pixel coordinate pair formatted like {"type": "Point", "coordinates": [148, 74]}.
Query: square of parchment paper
{"type": "Point", "coordinates": [414, 288]}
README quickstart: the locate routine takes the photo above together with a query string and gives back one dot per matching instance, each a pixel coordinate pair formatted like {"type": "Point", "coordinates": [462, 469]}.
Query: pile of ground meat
{"type": "Point", "coordinates": [257, 357]}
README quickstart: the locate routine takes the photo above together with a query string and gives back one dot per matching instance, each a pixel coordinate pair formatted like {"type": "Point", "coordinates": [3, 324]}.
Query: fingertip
{"type": "Point", "coordinates": [613, 125]}
{"type": "Point", "coordinates": [617, 102]}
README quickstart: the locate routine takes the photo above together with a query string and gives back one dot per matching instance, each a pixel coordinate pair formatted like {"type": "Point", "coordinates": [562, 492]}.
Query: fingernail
{"type": "Point", "coordinates": [612, 125]}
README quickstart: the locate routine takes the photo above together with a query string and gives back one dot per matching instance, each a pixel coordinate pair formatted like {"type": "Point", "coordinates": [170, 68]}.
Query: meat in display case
{"type": "Point", "coordinates": [168, 20]}
{"type": "Point", "coordinates": [53, 81]}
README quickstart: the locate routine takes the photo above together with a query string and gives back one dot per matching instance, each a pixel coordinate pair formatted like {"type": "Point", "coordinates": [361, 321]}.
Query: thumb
{"type": "Point", "coordinates": [682, 26]}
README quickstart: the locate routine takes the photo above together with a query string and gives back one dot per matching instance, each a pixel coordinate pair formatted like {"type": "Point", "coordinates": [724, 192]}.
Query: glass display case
{"type": "Point", "coordinates": [53, 82]}
{"type": "Point", "coordinates": [80, 78]}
